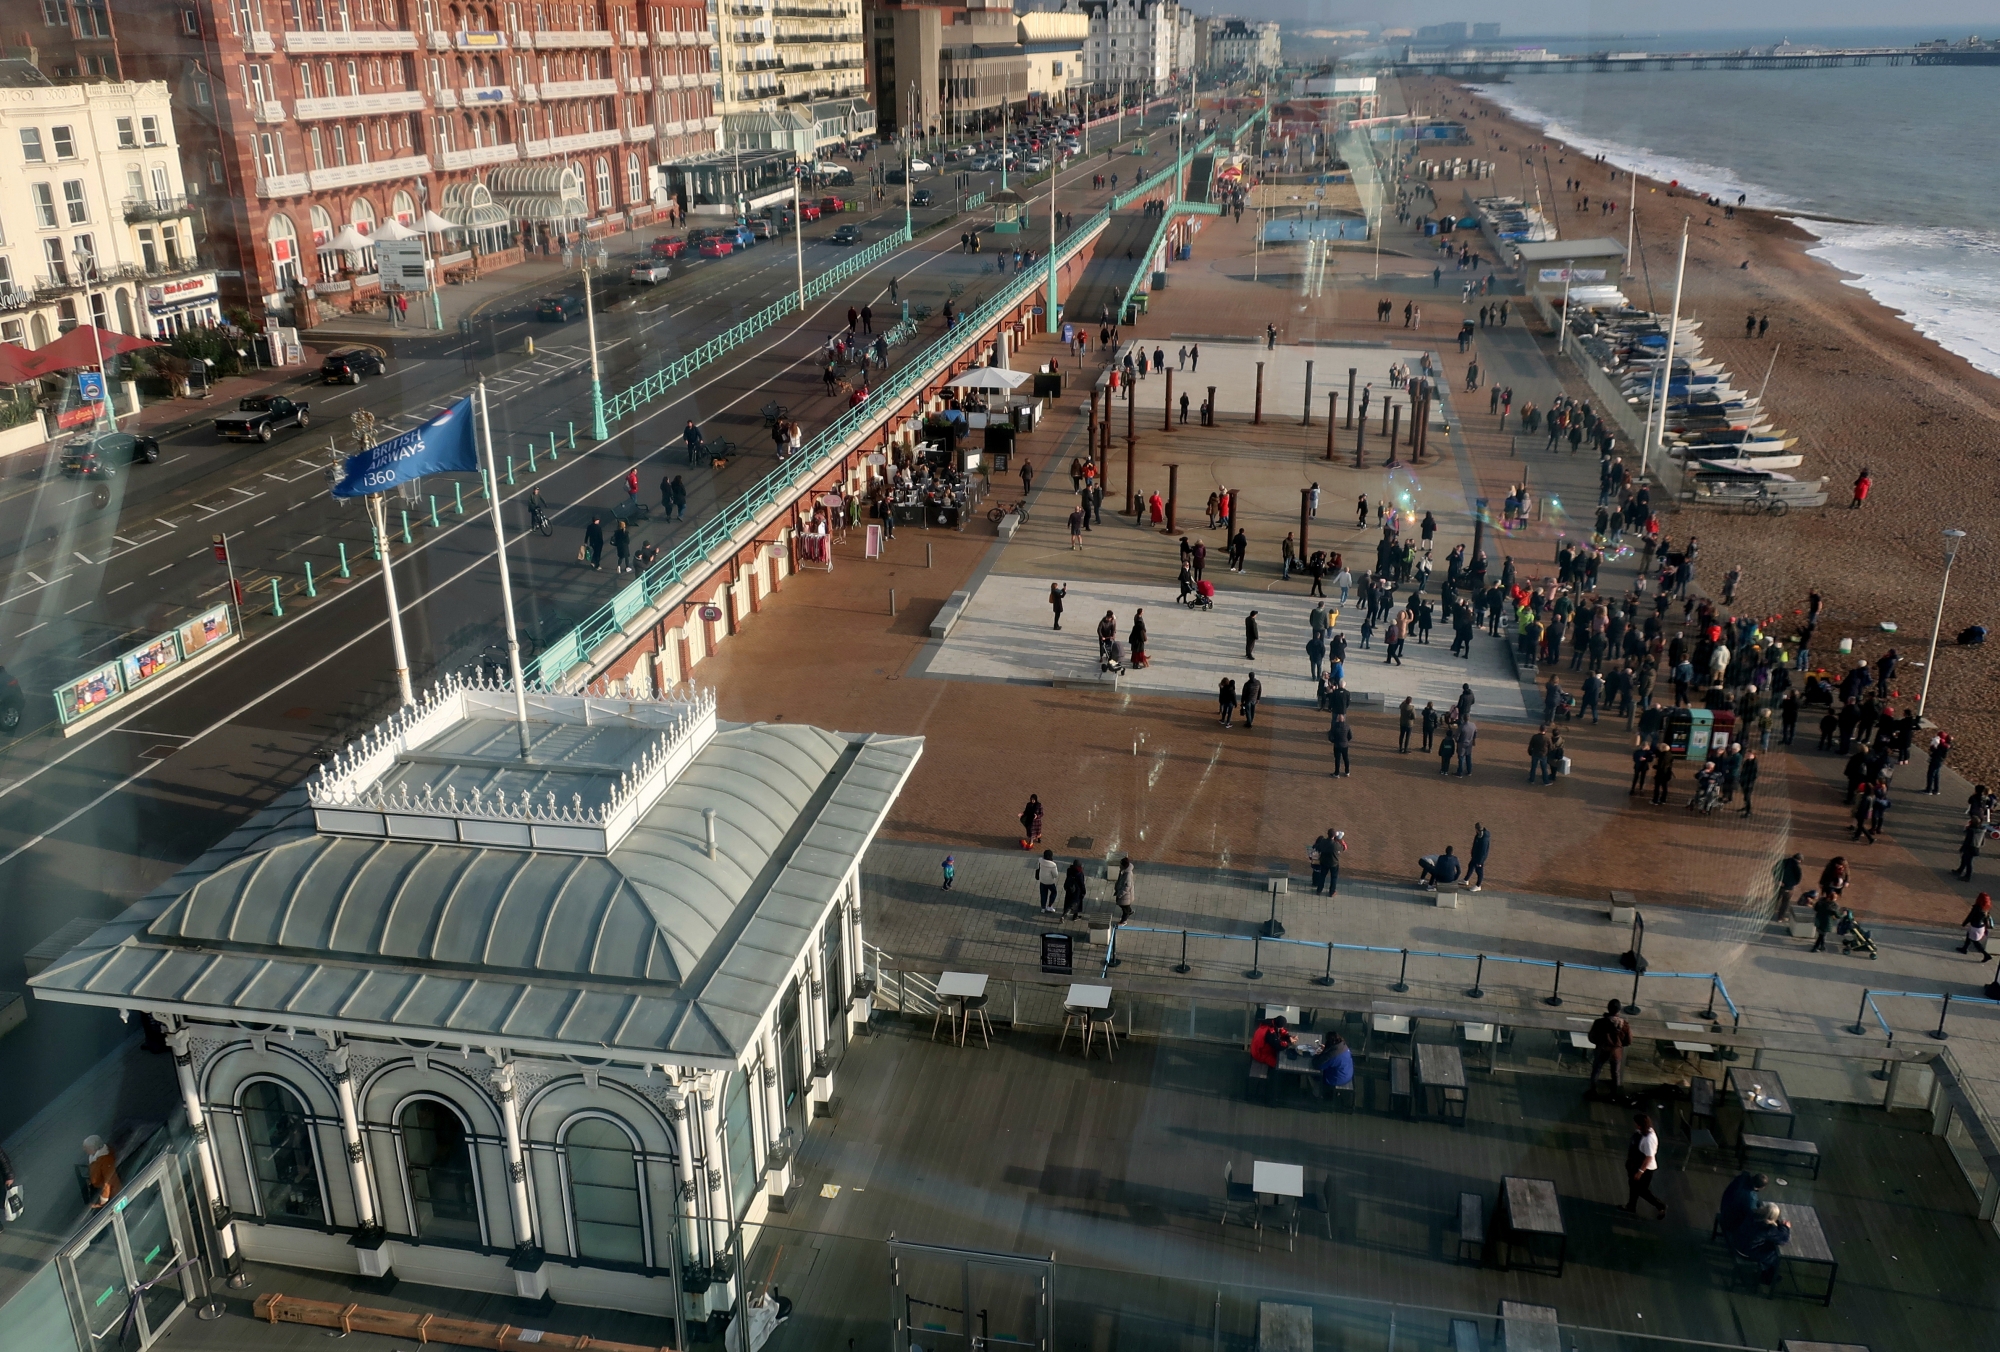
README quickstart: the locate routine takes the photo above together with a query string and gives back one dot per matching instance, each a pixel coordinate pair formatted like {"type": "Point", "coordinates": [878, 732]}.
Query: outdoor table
{"type": "Point", "coordinates": [1761, 1093]}
{"type": "Point", "coordinates": [1441, 1068]}
{"type": "Point", "coordinates": [1290, 1013]}
{"type": "Point", "coordinates": [1488, 1033]}
{"type": "Point", "coordinates": [1529, 1328]}
{"type": "Point", "coordinates": [961, 986]}
{"type": "Point", "coordinates": [1527, 1207]}
{"type": "Point", "coordinates": [1395, 1025]}
{"type": "Point", "coordinates": [1808, 1244]}
{"type": "Point", "coordinates": [1273, 1180]}
{"type": "Point", "coordinates": [1694, 1049]}
{"type": "Point", "coordinates": [1087, 997]}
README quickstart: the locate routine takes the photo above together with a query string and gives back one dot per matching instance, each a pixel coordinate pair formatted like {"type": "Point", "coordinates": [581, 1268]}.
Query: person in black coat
{"type": "Point", "coordinates": [1074, 891]}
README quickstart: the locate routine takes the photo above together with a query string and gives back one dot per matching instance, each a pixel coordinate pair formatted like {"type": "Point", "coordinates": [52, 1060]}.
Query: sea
{"type": "Point", "coordinates": [1894, 169]}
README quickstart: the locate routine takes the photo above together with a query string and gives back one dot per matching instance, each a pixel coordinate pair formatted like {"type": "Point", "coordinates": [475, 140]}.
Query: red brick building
{"type": "Point", "coordinates": [520, 123]}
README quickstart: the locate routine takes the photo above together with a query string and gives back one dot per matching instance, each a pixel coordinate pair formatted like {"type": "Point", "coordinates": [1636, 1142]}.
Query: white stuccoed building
{"type": "Point", "coordinates": [546, 1025]}
{"type": "Point", "coordinates": [1131, 42]}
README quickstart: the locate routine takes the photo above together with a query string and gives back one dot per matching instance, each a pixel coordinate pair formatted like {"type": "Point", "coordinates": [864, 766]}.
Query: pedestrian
{"type": "Point", "coordinates": [104, 1182]}
{"type": "Point", "coordinates": [1968, 849]}
{"type": "Point", "coordinates": [1342, 737]}
{"type": "Point", "coordinates": [12, 1204]}
{"type": "Point", "coordinates": [1075, 531]}
{"type": "Point", "coordinates": [1253, 690]}
{"type": "Point", "coordinates": [1746, 779]}
{"type": "Point", "coordinates": [1609, 1036]}
{"type": "Point", "coordinates": [1824, 911]}
{"type": "Point", "coordinates": [1075, 889]}
{"type": "Point", "coordinates": [1057, 591]}
{"type": "Point", "coordinates": [1250, 637]}
{"type": "Point", "coordinates": [1468, 733]}
{"type": "Point", "coordinates": [1663, 776]}
{"type": "Point", "coordinates": [621, 541]}
{"type": "Point", "coordinates": [1406, 720]}
{"type": "Point", "coordinates": [1031, 822]}
{"type": "Point", "coordinates": [1225, 700]}
{"type": "Point", "coordinates": [1048, 877]}
{"type": "Point", "coordinates": [691, 434]}
{"type": "Point", "coordinates": [1538, 757]}
{"type": "Point", "coordinates": [1431, 719]}
{"type": "Point", "coordinates": [1326, 852]}
{"type": "Point", "coordinates": [1642, 1161]}
{"type": "Point", "coordinates": [950, 871]}
{"type": "Point", "coordinates": [1475, 859]}
{"type": "Point", "coordinates": [1978, 923]}
{"type": "Point", "coordinates": [593, 543]}
{"type": "Point", "coordinates": [1791, 872]}
{"type": "Point", "coordinates": [1940, 748]}
{"type": "Point", "coordinates": [1123, 891]}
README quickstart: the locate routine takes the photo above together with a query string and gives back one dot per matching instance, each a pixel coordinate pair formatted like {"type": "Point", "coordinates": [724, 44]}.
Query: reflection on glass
{"type": "Point", "coordinates": [281, 1154]}
{"type": "Point", "coordinates": [443, 1195]}
{"type": "Point", "coordinates": [604, 1192]}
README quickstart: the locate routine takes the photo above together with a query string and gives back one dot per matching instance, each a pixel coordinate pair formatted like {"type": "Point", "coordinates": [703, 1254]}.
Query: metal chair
{"type": "Point", "coordinates": [1320, 1199]}
{"type": "Point", "coordinates": [974, 1007]}
{"type": "Point", "coordinates": [948, 1007]}
{"type": "Point", "coordinates": [1242, 1195]}
{"type": "Point", "coordinates": [1105, 1021]}
{"type": "Point", "coordinates": [1079, 1019]}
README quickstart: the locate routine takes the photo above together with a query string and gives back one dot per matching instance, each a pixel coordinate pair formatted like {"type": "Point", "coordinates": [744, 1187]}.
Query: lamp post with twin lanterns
{"type": "Point", "coordinates": [1952, 540]}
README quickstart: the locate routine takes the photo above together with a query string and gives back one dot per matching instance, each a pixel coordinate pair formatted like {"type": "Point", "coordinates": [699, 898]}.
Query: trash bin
{"type": "Point", "coordinates": [1159, 280]}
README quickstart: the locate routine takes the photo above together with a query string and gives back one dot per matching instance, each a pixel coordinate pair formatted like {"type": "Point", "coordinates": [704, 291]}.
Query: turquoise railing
{"type": "Point", "coordinates": [637, 395]}
{"type": "Point", "coordinates": [692, 557]}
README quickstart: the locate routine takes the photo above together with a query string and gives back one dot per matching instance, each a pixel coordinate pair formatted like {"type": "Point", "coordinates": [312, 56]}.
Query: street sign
{"type": "Point", "coordinates": [90, 387]}
{"type": "Point", "coordinates": [400, 265]}
{"type": "Point", "coordinates": [711, 613]}
{"type": "Point", "coordinates": [1058, 951]}
{"type": "Point", "coordinates": [221, 546]}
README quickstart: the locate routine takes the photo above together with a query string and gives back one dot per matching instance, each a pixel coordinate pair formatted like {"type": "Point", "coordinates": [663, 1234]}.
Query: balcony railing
{"type": "Point", "coordinates": [552, 39]}
{"type": "Point", "coordinates": [361, 40]}
{"type": "Point", "coordinates": [361, 105]}
{"type": "Point", "coordinates": [160, 206]}
{"type": "Point", "coordinates": [479, 156]}
{"type": "Point", "coordinates": [833, 38]}
{"type": "Point", "coordinates": [283, 185]}
{"type": "Point", "coordinates": [376, 171]}
{"type": "Point", "coordinates": [180, 265]}
{"type": "Point", "coordinates": [578, 89]}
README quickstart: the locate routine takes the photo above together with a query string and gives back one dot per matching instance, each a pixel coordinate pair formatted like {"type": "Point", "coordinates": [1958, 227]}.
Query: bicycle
{"type": "Point", "coordinates": [998, 514]}
{"type": "Point", "coordinates": [538, 513]}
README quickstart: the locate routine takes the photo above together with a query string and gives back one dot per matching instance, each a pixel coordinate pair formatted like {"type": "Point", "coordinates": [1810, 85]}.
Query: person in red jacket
{"type": "Point", "coordinates": [1270, 1040]}
{"type": "Point", "coordinates": [1861, 487]}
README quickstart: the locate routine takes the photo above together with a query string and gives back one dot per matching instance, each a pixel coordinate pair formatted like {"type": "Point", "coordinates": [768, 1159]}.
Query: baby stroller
{"type": "Point", "coordinates": [1203, 597]}
{"type": "Point", "coordinates": [1564, 705]}
{"type": "Point", "coordinates": [1853, 938]}
{"type": "Point", "coordinates": [1707, 791]}
{"type": "Point", "coordinates": [1111, 657]}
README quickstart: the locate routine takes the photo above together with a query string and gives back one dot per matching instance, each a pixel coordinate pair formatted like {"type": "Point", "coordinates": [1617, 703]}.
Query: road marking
{"type": "Point", "coordinates": [25, 632]}
{"type": "Point", "coordinates": [170, 525]}
{"type": "Point", "coordinates": [279, 477]}
{"type": "Point", "coordinates": [37, 576]}
{"type": "Point", "coordinates": [67, 501]}
{"type": "Point", "coordinates": [265, 522]}
{"type": "Point", "coordinates": [295, 506]}
{"type": "Point", "coordinates": [119, 588]}
{"type": "Point", "coordinates": [123, 541]}
{"type": "Point", "coordinates": [213, 590]}
{"type": "Point", "coordinates": [208, 510]}
{"type": "Point", "coordinates": [203, 550]}
{"type": "Point", "coordinates": [244, 491]}
{"type": "Point", "coordinates": [73, 609]}
{"type": "Point", "coordinates": [157, 571]}
{"type": "Point", "coordinates": [182, 456]}
{"type": "Point", "coordinates": [510, 328]}
{"type": "Point", "coordinates": [85, 558]}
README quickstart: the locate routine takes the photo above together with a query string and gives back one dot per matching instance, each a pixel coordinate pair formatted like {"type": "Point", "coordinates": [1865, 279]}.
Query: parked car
{"type": "Point", "coordinates": [921, 166]}
{"type": "Point", "coordinates": [809, 211]}
{"type": "Point", "coordinates": [559, 309]}
{"type": "Point", "coordinates": [1034, 164]}
{"type": "Point", "coordinates": [715, 246]}
{"type": "Point", "coordinates": [650, 274]}
{"type": "Point", "coordinates": [763, 227]}
{"type": "Point", "coordinates": [742, 236]}
{"type": "Point", "coordinates": [921, 197]}
{"type": "Point", "coordinates": [670, 246]}
{"type": "Point", "coordinates": [92, 457]}
{"type": "Point", "coordinates": [834, 204]}
{"type": "Point", "coordinates": [258, 417]}
{"type": "Point", "coordinates": [895, 178]}
{"type": "Point", "coordinates": [347, 366]}
{"type": "Point", "coordinates": [846, 234]}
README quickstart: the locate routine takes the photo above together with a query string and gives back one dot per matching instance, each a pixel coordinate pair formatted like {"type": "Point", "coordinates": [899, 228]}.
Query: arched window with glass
{"type": "Point", "coordinates": [601, 1161]}
{"type": "Point", "coordinates": [437, 1159]}
{"type": "Point", "coordinates": [278, 1136]}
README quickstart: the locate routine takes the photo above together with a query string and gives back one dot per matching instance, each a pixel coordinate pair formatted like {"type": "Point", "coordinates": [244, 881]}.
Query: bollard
{"type": "Point", "coordinates": [1859, 1027]}
{"type": "Point", "coordinates": [553, 457]}
{"type": "Point", "coordinates": [343, 559]}
{"type": "Point", "coordinates": [1709, 1013]}
{"type": "Point", "coordinates": [277, 606]}
{"type": "Point", "coordinates": [1554, 998]}
{"type": "Point", "coordinates": [1256, 972]}
{"type": "Point", "coordinates": [1395, 431]}
{"type": "Point", "coordinates": [311, 590]}
{"type": "Point", "coordinates": [1258, 415]}
{"type": "Point", "coordinates": [572, 434]}
{"type": "Point", "coordinates": [1332, 405]}
{"type": "Point", "coordinates": [532, 468]}
{"type": "Point", "coordinates": [458, 497]}
{"type": "Point", "coordinates": [1479, 970]}
{"type": "Point", "coordinates": [1403, 976]}
{"type": "Point", "coordinates": [892, 603]}
{"type": "Point", "coordinates": [1307, 421]}
{"type": "Point", "coordinates": [434, 511]}
{"type": "Point", "coordinates": [927, 554]}
{"type": "Point", "coordinates": [510, 471]}
{"type": "Point", "coordinates": [406, 526]}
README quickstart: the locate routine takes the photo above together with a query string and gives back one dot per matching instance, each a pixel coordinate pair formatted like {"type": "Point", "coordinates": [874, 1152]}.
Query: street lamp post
{"type": "Point", "coordinates": [86, 265]}
{"type": "Point", "coordinates": [1952, 540]}
{"type": "Point", "coordinates": [598, 430]}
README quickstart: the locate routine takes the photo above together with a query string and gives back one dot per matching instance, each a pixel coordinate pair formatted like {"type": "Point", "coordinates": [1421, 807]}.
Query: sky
{"type": "Point", "coordinates": [1951, 18]}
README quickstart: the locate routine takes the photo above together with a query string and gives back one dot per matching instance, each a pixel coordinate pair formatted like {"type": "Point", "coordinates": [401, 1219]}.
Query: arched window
{"type": "Point", "coordinates": [279, 1136]}
{"type": "Point", "coordinates": [283, 238]}
{"type": "Point", "coordinates": [635, 182]}
{"type": "Point", "coordinates": [444, 1193]}
{"type": "Point", "coordinates": [604, 1191]}
{"type": "Point", "coordinates": [603, 184]}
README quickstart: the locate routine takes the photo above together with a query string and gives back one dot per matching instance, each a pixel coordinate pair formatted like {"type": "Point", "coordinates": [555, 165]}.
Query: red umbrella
{"type": "Point", "coordinates": [79, 348]}
{"type": "Point", "coordinates": [17, 364]}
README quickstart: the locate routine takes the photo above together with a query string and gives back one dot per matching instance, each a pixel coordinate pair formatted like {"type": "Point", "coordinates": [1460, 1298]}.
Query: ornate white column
{"type": "Point", "coordinates": [365, 1216]}
{"type": "Point", "coordinates": [517, 1167]}
{"type": "Point", "coordinates": [204, 1150]}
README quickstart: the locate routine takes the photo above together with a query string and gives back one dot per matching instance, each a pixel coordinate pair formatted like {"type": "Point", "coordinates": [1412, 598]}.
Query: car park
{"type": "Point", "coordinates": [350, 364]}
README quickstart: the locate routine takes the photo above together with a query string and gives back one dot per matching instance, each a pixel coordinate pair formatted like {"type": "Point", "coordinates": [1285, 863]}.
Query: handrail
{"type": "Point", "coordinates": [692, 554]}
{"type": "Point", "coordinates": [1868, 998]}
{"type": "Point", "coordinates": [1159, 236]}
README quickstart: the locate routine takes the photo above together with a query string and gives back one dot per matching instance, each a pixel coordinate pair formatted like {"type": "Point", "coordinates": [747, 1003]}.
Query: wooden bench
{"type": "Point", "coordinates": [1804, 1152]}
{"type": "Point", "coordinates": [1471, 1224]}
{"type": "Point", "coordinates": [1399, 1084]}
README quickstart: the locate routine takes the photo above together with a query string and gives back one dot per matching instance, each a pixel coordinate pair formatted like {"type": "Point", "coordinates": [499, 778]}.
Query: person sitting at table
{"type": "Point", "coordinates": [1740, 1201]}
{"type": "Point", "coordinates": [1335, 1062]}
{"type": "Point", "coordinates": [1270, 1041]}
{"type": "Point", "coordinates": [1760, 1238]}
{"type": "Point", "coordinates": [1433, 869]}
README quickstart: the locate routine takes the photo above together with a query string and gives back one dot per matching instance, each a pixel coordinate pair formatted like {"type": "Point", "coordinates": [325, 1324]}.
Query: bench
{"type": "Point", "coordinates": [1447, 895]}
{"type": "Point", "coordinates": [1471, 1224]}
{"type": "Point", "coordinates": [1804, 1152]}
{"type": "Point", "coordinates": [1399, 1084]}
{"type": "Point", "coordinates": [1260, 1074]}
{"type": "Point", "coordinates": [1009, 524]}
{"type": "Point", "coordinates": [949, 612]}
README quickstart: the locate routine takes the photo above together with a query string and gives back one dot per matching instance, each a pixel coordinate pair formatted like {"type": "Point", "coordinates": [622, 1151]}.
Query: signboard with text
{"type": "Point", "coordinates": [400, 265]}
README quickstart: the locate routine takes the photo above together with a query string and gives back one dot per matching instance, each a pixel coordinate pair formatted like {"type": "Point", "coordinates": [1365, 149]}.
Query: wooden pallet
{"type": "Point", "coordinates": [276, 1308]}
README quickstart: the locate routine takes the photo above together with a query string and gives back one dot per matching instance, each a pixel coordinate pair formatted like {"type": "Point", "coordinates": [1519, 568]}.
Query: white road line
{"type": "Point", "coordinates": [37, 576]}
{"type": "Point", "coordinates": [203, 550]}
{"type": "Point", "coordinates": [157, 571]}
{"type": "Point", "coordinates": [295, 506]}
{"type": "Point", "coordinates": [170, 525]}
{"type": "Point", "coordinates": [123, 541]}
{"type": "Point", "coordinates": [182, 456]}
{"type": "Point", "coordinates": [209, 511]}
{"type": "Point", "coordinates": [265, 522]}
{"type": "Point", "coordinates": [279, 477]}
{"type": "Point", "coordinates": [244, 491]}
{"type": "Point", "coordinates": [119, 588]}
{"type": "Point", "coordinates": [213, 590]}
{"type": "Point", "coordinates": [67, 501]}
{"type": "Point", "coordinates": [85, 558]}
{"type": "Point", "coordinates": [73, 609]}
{"type": "Point", "coordinates": [25, 632]}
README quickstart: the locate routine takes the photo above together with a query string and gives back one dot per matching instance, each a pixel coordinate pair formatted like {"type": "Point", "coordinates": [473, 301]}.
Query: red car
{"type": "Point", "coordinates": [669, 246]}
{"type": "Point", "coordinates": [808, 211]}
{"type": "Point", "coordinates": [715, 246]}
{"type": "Point", "coordinates": [832, 204]}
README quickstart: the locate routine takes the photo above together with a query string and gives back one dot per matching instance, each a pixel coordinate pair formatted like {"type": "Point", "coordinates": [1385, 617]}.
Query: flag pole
{"type": "Point", "coordinates": [506, 586]}
{"type": "Point", "coordinates": [380, 520]}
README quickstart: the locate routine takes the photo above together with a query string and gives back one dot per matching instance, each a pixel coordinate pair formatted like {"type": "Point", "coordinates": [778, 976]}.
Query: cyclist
{"type": "Point", "coordinates": [692, 435]}
{"type": "Point", "coordinates": [538, 511]}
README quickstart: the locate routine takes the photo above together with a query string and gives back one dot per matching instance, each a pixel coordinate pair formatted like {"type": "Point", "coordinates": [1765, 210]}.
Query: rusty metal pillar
{"type": "Point", "coordinates": [1132, 450]}
{"type": "Point", "coordinates": [1258, 415]}
{"type": "Point", "coordinates": [1305, 522]}
{"type": "Point", "coordinates": [1307, 420]}
{"type": "Point", "coordinates": [1167, 422]}
{"type": "Point", "coordinates": [1350, 396]}
{"type": "Point", "coordinates": [1386, 402]}
{"type": "Point", "coordinates": [1211, 405]}
{"type": "Point", "coordinates": [1173, 497]}
{"type": "Point", "coordinates": [1360, 439]}
{"type": "Point", "coordinates": [1332, 421]}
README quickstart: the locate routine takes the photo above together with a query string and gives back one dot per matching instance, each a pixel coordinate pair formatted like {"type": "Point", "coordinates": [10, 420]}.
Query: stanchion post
{"type": "Point", "coordinates": [1709, 1013]}
{"type": "Point", "coordinates": [1256, 958]}
{"type": "Point", "coordinates": [1326, 980]}
{"type": "Point", "coordinates": [1554, 998]}
{"type": "Point", "coordinates": [1859, 1014]}
{"type": "Point", "coordinates": [1943, 1013]}
{"type": "Point", "coordinates": [1182, 966]}
{"type": "Point", "coordinates": [1478, 992]}
{"type": "Point", "coordinates": [1403, 976]}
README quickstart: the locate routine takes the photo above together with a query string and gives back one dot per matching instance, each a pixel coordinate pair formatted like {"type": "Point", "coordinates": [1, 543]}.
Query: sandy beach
{"type": "Point", "coordinates": [1860, 388]}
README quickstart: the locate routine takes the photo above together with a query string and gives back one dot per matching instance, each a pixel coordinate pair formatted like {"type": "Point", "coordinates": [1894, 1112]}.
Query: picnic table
{"type": "Point", "coordinates": [1761, 1093]}
{"type": "Point", "coordinates": [1808, 1245]}
{"type": "Point", "coordinates": [1527, 1208]}
{"type": "Point", "coordinates": [1441, 1068]}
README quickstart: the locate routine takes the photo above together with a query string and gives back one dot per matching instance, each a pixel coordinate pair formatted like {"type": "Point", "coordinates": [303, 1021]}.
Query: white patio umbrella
{"type": "Point", "coordinates": [434, 222]}
{"type": "Point", "coordinates": [349, 240]}
{"type": "Point", "coordinates": [394, 229]}
{"type": "Point", "coordinates": [990, 378]}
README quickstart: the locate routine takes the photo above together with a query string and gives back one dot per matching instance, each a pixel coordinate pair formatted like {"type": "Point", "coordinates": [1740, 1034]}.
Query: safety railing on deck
{"type": "Point", "coordinates": [691, 556]}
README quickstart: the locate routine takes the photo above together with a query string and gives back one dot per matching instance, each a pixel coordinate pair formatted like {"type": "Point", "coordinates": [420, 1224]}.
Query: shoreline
{"type": "Point", "coordinates": [1861, 386]}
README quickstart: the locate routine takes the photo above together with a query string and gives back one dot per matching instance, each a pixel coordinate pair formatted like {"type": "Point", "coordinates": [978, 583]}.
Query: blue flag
{"type": "Point", "coordinates": [441, 446]}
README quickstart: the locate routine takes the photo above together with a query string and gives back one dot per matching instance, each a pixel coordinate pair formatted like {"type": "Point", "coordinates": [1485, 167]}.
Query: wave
{"type": "Point", "coordinates": [1943, 281]}
{"type": "Point", "coordinates": [1643, 160]}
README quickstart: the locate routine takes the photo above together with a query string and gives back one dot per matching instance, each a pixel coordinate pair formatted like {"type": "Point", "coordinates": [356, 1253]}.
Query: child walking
{"type": "Point", "coordinates": [950, 871]}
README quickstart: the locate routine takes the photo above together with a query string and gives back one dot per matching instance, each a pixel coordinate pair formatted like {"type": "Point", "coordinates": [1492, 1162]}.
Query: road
{"type": "Point", "coordinates": [89, 824]}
